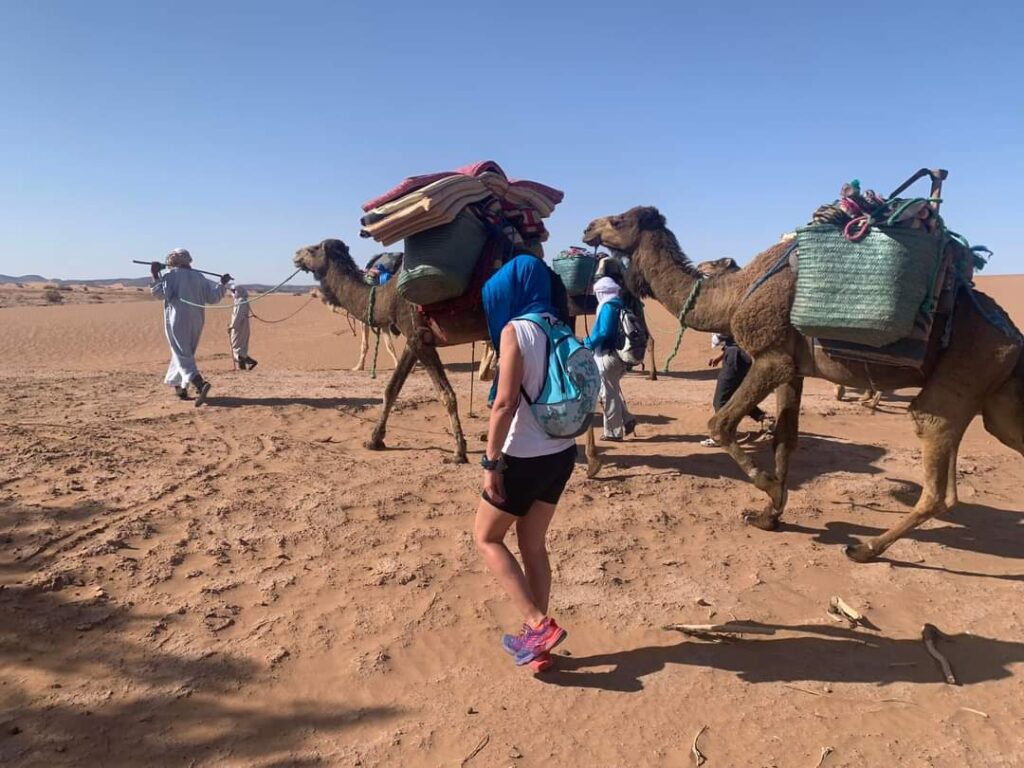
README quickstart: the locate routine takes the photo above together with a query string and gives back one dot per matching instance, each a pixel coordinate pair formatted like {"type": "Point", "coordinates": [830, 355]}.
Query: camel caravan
{"type": "Point", "coordinates": [874, 293]}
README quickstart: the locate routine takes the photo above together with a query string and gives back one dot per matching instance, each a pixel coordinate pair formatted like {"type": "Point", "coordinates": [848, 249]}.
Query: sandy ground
{"type": "Point", "coordinates": [244, 585]}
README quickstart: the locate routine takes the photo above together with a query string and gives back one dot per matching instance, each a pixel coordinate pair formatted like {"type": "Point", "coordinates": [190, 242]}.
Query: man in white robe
{"type": "Point", "coordinates": [185, 293]}
{"type": "Point", "coordinates": [238, 328]}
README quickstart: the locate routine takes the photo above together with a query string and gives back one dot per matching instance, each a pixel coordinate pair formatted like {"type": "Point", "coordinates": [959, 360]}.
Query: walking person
{"type": "Point", "coordinates": [618, 421]}
{"type": "Point", "coordinates": [185, 293]}
{"type": "Point", "coordinates": [238, 328]}
{"type": "Point", "coordinates": [525, 469]}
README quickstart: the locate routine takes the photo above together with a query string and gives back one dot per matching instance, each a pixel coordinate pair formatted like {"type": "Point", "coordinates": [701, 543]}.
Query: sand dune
{"type": "Point", "coordinates": [245, 585]}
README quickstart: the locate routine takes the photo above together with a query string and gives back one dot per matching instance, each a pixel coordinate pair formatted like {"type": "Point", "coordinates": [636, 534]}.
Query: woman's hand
{"type": "Point", "coordinates": [716, 360]}
{"type": "Point", "coordinates": [494, 485]}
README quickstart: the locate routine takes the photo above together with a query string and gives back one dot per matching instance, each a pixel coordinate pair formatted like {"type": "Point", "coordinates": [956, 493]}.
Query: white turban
{"type": "Point", "coordinates": [606, 289]}
{"type": "Point", "coordinates": [179, 257]}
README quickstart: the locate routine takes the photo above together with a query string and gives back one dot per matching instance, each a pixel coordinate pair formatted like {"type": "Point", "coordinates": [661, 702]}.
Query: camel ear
{"type": "Point", "coordinates": [333, 248]}
{"type": "Point", "coordinates": [650, 218]}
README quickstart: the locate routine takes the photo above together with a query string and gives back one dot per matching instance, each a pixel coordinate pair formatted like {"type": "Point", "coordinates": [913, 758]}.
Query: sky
{"type": "Point", "coordinates": [244, 130]}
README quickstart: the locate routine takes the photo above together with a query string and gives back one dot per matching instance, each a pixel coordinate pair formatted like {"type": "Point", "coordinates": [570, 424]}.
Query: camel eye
{"type": "Point", "coordinates": [616, 223]}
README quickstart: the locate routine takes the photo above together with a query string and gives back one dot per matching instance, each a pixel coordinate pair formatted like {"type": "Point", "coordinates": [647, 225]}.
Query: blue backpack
{"type": "Point", "coordinates": [567, 398]}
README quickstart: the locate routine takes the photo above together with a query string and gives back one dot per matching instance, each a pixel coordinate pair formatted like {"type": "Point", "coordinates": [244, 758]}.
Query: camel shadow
{"type": "Point", "coordinates": [708, 374]}
{"type": "Point", "coordinates": [830, 655]}
{"type": "Point", "coordinates": [817, 455]}
{"type": "Point", "coordinates": [311, 402]}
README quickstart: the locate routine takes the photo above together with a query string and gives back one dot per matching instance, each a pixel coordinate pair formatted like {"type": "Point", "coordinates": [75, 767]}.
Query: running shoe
{"type": "Point", "coordinates": [542, 663]}
{"type": "Point", "coordinates": [513, 644]}
{"type": "Point", "coordinates": [537, 642]}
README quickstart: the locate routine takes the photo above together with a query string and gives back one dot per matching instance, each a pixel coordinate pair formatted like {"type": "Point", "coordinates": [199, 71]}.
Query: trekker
{"type": "Point", "coordinates": [525, 470]}
{"type": "Point", "coordinates": [238, 328]}
{"type": "Point", "coordinates": [618, 421]}
{"type": "Point", "coordinates": [184, 293]}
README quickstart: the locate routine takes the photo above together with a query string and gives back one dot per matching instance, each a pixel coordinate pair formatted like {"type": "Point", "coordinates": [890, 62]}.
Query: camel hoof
{"type": "Point", "coordinates": [456, 459]}
{"type": "Point", "coordinates": [593, 467]}
{"type": "Point", "coordinates": [374, 445]}
{"type": "Point", "coordinates": [767, 520]}
{"type": "Point", "coordinates": [860, 553]}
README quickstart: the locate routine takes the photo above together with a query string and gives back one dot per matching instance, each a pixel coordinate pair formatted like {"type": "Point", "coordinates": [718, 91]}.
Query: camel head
{"type": "Point", "coordinates": [622, 232]}
{"type": "Point", "coordinates": [317, 258]}
{"type": "Point", "coordinates": [717, 267]}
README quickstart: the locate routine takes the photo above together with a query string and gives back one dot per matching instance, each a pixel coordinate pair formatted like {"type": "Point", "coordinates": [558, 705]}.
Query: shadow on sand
{"type": "Point", "coordinates": [830, 654]}
{"type": "Point", "coordinates": [311, 402]}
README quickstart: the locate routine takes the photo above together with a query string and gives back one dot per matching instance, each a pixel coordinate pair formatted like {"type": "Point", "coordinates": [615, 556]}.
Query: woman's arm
{"type": "Point", "coordinates": [506, 401]}
{"type": "Point", "coordinates": [604, 331]}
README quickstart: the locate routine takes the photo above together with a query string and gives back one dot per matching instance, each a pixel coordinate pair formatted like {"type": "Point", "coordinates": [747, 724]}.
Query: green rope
{"type": "Point", "coordinates": [374, 328]}
{"type": "Point", "coordinates": [251, 300]}
{"type": "Point", "coordinates": [690, 301]}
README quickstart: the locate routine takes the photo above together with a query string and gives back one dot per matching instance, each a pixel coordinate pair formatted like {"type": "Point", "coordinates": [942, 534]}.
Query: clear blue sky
{"type": "Point", "coordinates": [242, 130]}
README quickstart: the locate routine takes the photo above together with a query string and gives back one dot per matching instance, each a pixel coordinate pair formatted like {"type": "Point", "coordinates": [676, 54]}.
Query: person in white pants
{"type": "Point", "coordinates": [238, 328]}
{"type": "Point", "coordinates": [618, 421]}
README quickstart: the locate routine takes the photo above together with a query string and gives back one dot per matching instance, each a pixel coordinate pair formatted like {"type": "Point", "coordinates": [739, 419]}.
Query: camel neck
{"type": "Point", "coordinates": [345, 289]}
{"type": "Point", "coordinates": [671, 278]}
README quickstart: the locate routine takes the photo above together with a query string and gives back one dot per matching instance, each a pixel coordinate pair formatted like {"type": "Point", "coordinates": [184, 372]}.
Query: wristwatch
{"type": "Point", "coordinates": [493, 465]}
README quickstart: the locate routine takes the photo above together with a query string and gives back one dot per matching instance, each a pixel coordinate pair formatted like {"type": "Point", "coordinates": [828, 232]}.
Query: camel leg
{"type": "Point", "coordinates": [768, 371]}
{"type": "Point", "coordinates": [654, 363]}
{"type": "Point", "coordinates": [435, 369]}
{"type": "Point", "coordinates": [395, 383]}
{"type": "Point", "coordinates": [952, 499]}
{"type": "Point", "coordinates": [940, 421]}
{"type": "Point", "coordinates": [389, 344]}
{"type": "Point", "coordinates": [784, 442]}
{"type": "Point", "coordinates": [364, 345]}
{"type": "Point", "coordinates": [840, 392]}
{"type": "Point", "coordinates": [593, 460]}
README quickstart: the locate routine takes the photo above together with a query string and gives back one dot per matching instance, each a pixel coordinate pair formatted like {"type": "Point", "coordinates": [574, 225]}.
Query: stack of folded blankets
{"type": "Point", "coordinates": [446, 218]}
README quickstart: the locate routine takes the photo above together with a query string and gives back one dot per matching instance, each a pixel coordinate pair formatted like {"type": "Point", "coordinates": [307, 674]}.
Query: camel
{"type": "Point", "coordinates": [342, 285]}
{"type": "Point", "coordinates": [364, 345]}
{"type": "Point", "coordinates": [982, 370]}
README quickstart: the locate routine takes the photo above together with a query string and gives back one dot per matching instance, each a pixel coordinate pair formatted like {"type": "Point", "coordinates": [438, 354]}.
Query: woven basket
{"type": "Point", "coordinates": [867, 292]}
{"type": "Point", "coordinates": [439, 262]}
{"type": "Point", "coordinates": [576, 271]}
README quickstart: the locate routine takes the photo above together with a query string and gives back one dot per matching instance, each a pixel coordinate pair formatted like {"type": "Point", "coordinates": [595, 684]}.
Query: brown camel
{"type": "Point", "coordinates": [982, 370]}
{"type": "Point", "coordinates": [342, 285]}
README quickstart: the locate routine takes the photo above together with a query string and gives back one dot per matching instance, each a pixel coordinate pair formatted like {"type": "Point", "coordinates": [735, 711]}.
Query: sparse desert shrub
{"type": "Point", "coordinates": [52, 296]}
{"type": "Point", "coordinates": [49, 287]}
{"type": "Point", "coordinates": [65, 288]}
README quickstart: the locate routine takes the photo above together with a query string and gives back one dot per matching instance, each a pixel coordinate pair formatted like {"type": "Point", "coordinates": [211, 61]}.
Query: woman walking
{"type": "Point", "coordinates": [525, 469]}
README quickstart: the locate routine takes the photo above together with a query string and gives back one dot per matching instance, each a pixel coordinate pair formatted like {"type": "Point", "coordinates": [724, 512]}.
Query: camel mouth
{"type": "Point", "coordinates": [594, 239]}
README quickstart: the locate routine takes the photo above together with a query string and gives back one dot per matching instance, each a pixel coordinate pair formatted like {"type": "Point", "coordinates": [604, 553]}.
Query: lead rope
{"type": "Point", "coordinates": [257, 297]}
{"type": "Point", "coordinates": [690, 301]}
{"type": "Point", "coordinates": [375, 329]}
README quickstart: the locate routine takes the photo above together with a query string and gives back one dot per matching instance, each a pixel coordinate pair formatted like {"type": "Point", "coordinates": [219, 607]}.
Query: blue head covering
{"type": "Point", "coordinates": [520, 287]}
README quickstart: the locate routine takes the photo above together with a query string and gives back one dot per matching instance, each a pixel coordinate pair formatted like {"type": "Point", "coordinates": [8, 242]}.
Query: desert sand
{"type": "Point", "coordinates": [244, 584]}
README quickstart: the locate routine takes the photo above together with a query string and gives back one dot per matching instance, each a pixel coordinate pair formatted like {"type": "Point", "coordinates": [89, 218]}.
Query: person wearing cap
{"type": "Point", "coordinates": [238, 328]}
{"type": "Point", "coordinates": [185, 293]}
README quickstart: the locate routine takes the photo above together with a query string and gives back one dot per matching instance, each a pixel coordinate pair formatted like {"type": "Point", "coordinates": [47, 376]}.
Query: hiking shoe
{"type": "Point", "coordinates": [240, 363]}
{"type": "Point", "coordinates": [537, 642]}
{"type": "Point", "coordinates": [251, 363]}
{"type": "Point", "coordinates": [202, 390]}
{"type": "Point", "coordinates": [181, 392]}
{"type": "Point", "coordinates": [630, 427]}
{"type": "Point", "coordinates": [513, 644]}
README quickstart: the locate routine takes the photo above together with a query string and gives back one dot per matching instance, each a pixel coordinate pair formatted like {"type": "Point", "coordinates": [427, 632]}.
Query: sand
{"type": "Point", "coordinates": [245, 585]}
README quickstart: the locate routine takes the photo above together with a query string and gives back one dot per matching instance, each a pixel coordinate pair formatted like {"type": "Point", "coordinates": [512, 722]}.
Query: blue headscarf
{"type": "Point", "coordinates": [520, 287]}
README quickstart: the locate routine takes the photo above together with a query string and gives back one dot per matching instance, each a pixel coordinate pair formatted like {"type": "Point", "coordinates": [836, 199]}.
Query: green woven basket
{"type": "Point", "coordinates": [576, 271]}
{"type": "Point", "coordinates": [439, 262]}
{"type": "Point", "coordinates": [867, 292]}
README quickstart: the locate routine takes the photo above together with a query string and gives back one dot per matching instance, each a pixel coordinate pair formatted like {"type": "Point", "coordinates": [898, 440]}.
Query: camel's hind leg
{"type": "Point", "coordinates": [769, 371]}
{"type": "Point", "coordinates": [940, 419]}
{"type": "Point", "coordinates": [654, 363]}
{"type": "Point", "coordinates": [435, 369]}
{"type": "Point", "coordinates": [389, 344]}
{"type": "Point", "coordinates": [395, 383]}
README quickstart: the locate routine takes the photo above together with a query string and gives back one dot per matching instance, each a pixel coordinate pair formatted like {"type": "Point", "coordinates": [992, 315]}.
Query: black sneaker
{"type": "Point", "coordinates": [181, 392]}
{"type": "Point", "coordinates": [202, 390]}
{"type": "Point", "coordinates": [251, 363]}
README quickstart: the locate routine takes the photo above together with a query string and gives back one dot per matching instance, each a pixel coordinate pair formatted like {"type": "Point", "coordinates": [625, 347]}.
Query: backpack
{"type": "Point", "coordinates": [567, 398]}
{"type": "Point", "coordinates": [631, 342]}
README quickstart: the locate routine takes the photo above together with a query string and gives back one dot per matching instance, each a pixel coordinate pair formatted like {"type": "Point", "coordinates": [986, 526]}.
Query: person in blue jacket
{"type": "Point", "coordinates": [618, 421]}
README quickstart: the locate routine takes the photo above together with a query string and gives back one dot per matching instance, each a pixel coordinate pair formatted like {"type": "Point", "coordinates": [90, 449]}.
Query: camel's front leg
{"type": "Point", "coordinates": [940, 435]}
{"type": "Point", "coordinates": [405, 364]}
{"type": "Point", "coordinates": [654, 364]}
{"type": "Point", "coordinates": [784, 442]}
{"type": "Point", "coordinates": [593, 460]}
{"type": "Point", "coordinates": [435, 369]}
{"type": "Point", "coordinates": [768, 371]}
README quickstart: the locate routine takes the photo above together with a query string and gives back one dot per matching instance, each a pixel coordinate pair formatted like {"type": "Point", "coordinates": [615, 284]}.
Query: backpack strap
{"type": "Point", "coordinates": [545, 325]}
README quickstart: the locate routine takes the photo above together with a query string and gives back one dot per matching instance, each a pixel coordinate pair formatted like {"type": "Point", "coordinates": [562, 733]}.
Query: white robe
{"type": "Point", "coordinates": [183, 323]}
{"type": "Point", "coordinates": [239, 324]}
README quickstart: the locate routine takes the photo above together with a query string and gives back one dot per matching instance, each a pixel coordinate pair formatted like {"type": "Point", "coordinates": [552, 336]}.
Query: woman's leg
{"type": "Point", "coordinates": [489, 531]}
{"type": "Point", "coordinates": [532, 532]}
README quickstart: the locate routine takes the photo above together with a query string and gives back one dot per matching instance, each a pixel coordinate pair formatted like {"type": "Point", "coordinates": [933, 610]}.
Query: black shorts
{"type": "Point", "coordinates": [540, 478]}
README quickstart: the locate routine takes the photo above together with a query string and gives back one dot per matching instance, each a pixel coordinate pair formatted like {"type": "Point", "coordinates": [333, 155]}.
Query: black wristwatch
{"type": "Point", "coordinates": [493, 465]}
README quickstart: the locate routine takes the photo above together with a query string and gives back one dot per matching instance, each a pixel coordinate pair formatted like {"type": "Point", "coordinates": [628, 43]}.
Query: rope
{"type": "Point", "coordinates": [375, 329]}
{"type": "Point", "coordinates": [244, 301]}
{"type": "Point", "coordinates": [690, 301]}
{"type": "Point", "coordinates": [777, 267]}
{"type": "Point", "coordinates": [287, 317]}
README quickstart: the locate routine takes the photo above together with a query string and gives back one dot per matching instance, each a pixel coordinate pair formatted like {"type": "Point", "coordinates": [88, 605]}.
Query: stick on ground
{"type": "Point", "coordinates": [479, 748]}
{"type": "Point", "coordinates": [839, 609]}
{"type": "Point", "coordinates": [930, 633]}
{"type": "Point", "coordinates": [825, 752]}
{"type": "Point", "coordinates": [729, 628]}
{"type": "Point", "coordinates": [698, 756]}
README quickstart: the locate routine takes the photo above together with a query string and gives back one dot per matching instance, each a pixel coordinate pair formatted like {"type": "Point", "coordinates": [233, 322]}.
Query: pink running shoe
{"type": "Point", "coordinates": [539, 641]}
{"type": "Point", "coordinates": [542, 663]}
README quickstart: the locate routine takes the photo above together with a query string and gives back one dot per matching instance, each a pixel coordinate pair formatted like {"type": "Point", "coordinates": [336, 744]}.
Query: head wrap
{"type": "Point", "coordinates": [520, 287]}
{"type": "Point", "coordinates": [239, 292]}
{"type": "Point", "coordinates": [179, 257]}
{"type": "Point", "coordinates": [606, 289]}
